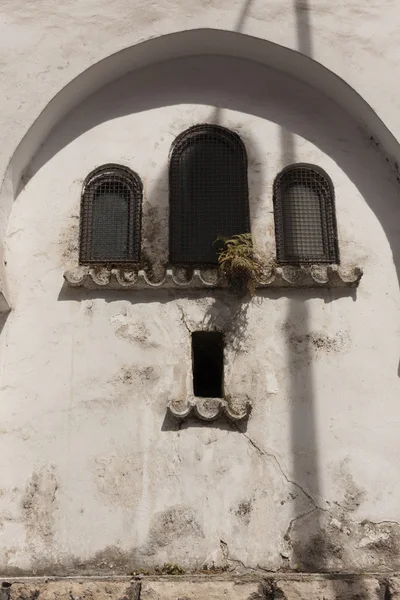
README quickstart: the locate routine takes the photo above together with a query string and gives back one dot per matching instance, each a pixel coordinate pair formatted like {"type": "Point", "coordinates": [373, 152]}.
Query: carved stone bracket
{"type": "Point", "coordinates": [209, 409]}
{"type": "Point", "coordinates": [327, 276]}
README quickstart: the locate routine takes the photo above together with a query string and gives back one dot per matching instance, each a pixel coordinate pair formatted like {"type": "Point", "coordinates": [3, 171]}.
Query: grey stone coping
{"type": "Point", "coordinates": [209, 409]}
{"type": "Point", "coordinates": [325, 276]}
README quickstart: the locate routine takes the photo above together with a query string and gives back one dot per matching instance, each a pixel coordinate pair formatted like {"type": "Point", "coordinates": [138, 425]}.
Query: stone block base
{"type": "Point", "coordinates": [207, 587]}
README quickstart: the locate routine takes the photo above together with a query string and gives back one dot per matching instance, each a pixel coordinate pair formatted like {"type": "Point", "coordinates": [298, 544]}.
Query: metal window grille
{"type": "Point", "coordinates": [110, 216]}
{"type": "Point", "coordinates": [208, 193]}
{"type": "Point", "coordinates": [305, 220]}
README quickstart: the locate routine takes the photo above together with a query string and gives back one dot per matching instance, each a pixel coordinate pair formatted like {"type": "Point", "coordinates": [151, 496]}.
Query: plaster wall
{"type": "Point", "coordinates": [45, 45]}
{"type": "Point", "coordinates": [95, 477]}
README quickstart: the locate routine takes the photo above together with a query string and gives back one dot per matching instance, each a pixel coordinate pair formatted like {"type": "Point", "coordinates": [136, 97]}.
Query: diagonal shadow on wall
{"type": "Point", "coordinates": [316, 551]}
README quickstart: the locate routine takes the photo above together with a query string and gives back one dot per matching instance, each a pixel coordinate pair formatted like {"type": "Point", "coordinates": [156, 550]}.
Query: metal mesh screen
{"type": "Point", "coordinates": [305, 221]}
{"type": "Point", "coordinates": [208, 193]}
{"type": "Point", "coordinates": [111, 216]}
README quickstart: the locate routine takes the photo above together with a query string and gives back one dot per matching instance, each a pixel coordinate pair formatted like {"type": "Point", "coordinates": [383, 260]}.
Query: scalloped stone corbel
{"type": "Point", "coordinates": [209, 409]}
{"type": "Point", "coordinates": [326, 276]}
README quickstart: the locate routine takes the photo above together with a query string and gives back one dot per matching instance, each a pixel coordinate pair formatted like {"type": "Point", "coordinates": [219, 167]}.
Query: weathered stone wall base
{"type": "Point", "coordinates": [207, 587]}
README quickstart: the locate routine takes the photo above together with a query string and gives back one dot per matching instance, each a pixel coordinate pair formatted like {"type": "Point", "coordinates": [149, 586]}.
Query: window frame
{"type": "Point", "coordinates": [328, 217]}
{"type": "Point", "coordinates": [175, 212]}
{"type": "Point", "coordinates": [133, 183]}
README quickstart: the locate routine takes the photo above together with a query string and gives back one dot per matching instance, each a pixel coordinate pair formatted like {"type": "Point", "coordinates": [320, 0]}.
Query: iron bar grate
{"type": "Point", "coordinates": [208, 193]}
{"type": "Point", "coordinates": [110, 216]}
{"type": "Point", "coordinates": [305, 220]}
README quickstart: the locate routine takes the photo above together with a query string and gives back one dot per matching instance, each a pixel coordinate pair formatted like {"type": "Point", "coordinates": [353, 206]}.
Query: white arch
{"type": "Point", "coordinates": [189, 43]}
{"type": "Point", "coordinates": [194, 43]}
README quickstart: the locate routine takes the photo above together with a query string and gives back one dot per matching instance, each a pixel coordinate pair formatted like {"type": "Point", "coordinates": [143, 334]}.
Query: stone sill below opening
{"type": "Point", "coordinates": [314, 276]}
{"type": "Point", "coordinates": [210, 409]}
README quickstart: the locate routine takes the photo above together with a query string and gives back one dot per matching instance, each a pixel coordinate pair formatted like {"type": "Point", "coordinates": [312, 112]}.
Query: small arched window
{"type": "Point", "coordinates": [305, 220]}
{"type": "Point", "coordinates": [208, 193]}
{"type": "Point", "coordinates": [110, 216]}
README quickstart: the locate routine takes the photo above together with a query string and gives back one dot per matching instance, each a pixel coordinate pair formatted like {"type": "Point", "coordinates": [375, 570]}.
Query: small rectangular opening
{"type": "Point", "coordinates": [208, 363]}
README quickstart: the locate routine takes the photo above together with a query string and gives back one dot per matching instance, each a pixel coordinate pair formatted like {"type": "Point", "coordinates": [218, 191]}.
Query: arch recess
{"type": "Point", "coordinates": [195, 42]}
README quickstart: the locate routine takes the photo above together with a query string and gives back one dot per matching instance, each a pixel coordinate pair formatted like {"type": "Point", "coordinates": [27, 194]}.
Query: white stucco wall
{"type": "Point", "coordinates": [93, 473]}
{"type": "Point", "coordinates": [94, 477]}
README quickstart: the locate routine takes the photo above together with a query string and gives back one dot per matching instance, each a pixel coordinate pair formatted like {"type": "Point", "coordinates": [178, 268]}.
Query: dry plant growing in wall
{"type": "Point", "coordinates": [240, 263]}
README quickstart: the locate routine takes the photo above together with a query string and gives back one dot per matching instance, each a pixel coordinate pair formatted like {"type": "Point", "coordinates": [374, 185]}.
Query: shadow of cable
{"type": "Point", "coordinates": [302, 401]}
{"type": "Point", "coordinates": [312, 548]}
{"type": "Point", "coordinates": [303, 435]}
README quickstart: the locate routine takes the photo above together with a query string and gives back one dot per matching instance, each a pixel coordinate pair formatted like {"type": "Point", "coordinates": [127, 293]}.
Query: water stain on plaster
{"type": "Point", "coordinates": [155, 238]}
{"type": "Point", "coordinates": [69, 242]}
{"type": "Point", "coordinates": [332, 539]}
{"type": "Point", "coordinates": [353, 494]}
{"type": "Point", "coordinates": [112, 560]}
{"type": "Point", "coordinates": [243, 511]}
{"type": "Point", "coordinates": [39, 504]}
{"type": "Point", "coordinates": [119, 478]}
{"type": "Point", "coordinates": [324, 542]}
{"type": "Point", "coordinates": [119, 387]}
{"type": "Point", "coordinates": [130, 375]}
{"type": "Point", "coordinates": [172, 524]}
{"type": "Point", "coordinates": [320, 342]}
{"type": "Point", "coordinates": [134, 332]}
{"type": "Point", "coordinates": [88, 307]}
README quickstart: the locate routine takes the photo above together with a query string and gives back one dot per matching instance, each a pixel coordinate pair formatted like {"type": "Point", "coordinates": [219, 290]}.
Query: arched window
{"type": "Point", "coordinates": [305, 220]}
{"type": "Point", "coordinates": [110, 216]}
{"type": "Point", "coordinates": [208, 192]}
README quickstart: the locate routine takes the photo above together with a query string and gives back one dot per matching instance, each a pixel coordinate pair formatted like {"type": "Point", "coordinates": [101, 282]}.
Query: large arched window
{"type": "Point", "coordinates": [110, 216]}
{"type": "Point", "coordinates": [208, 192]}
{"type": "Point", "coordinates": [305, 220]}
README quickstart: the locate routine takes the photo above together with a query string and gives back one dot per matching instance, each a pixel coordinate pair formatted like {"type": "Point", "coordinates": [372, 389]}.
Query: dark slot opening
{"type": "Point", "coordinates": [208, 363]}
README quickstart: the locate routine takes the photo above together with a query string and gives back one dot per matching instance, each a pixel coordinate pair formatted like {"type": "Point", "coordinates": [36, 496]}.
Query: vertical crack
{"type": "Point", "coordinates": [272, 457]}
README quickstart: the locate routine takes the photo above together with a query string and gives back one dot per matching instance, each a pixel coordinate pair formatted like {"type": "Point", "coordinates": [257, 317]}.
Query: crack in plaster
{"type": "Point", "coordinates": [381, 522]}
{"type": "Point", "coordinates": [315, 505]}
{"type": "Point", "coordinates": [297, 518]}
{"type": "Point", "coordinates": [276, 461]}
{"type": "Point", "coordinates": [225, 554]}
{"type": "Point", "coordinates": [183, 319]}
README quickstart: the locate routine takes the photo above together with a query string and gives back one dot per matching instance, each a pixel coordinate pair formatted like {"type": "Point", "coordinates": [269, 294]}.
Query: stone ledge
{"type": "Point", "coordinates": [70, 589]}
{"type": "Point", "coordinates": [255, 586]}
{"type": "Point", "coordinates": [209, 409]}
{"type": "Point", "coordinates": [365, 588]}
{"type": "Point", "coordinates": [325, 276]}
{"type": "Point", "coordinates": [201, 590]}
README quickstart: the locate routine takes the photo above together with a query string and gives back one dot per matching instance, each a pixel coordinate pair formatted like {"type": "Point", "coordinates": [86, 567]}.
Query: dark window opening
{"type": "Point", "coordinates": [208, 364]}
{"type": "Point", "coordinates": [111, 216]}
{"type": "Point", "coordinates": [208, 193]}
{"type": "Point", "coordinates": [305, 220]}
